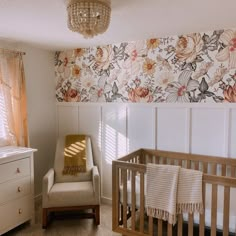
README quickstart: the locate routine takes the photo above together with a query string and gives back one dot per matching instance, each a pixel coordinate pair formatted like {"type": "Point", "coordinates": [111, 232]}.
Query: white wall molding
{"type": "Point", "coordinates": [166, 105]}
{"type": "Point", "coordinates": [118, 128]}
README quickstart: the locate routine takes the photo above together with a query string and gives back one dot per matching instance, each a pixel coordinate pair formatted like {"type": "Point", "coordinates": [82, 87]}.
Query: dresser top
{"type": "Point", "coordinates": [10, 153]}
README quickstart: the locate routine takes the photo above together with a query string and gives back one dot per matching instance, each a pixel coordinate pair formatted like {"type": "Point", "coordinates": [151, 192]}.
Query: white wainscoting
{"type": "Point", "coordinates": [117, 129]}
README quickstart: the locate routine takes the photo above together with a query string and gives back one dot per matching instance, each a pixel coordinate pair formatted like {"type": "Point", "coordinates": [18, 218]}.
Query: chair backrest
{"type": "Point", "coordinates": [59, 163]}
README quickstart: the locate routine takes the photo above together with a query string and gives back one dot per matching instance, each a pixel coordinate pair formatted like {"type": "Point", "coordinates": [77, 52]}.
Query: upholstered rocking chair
{"type": "Point", "coordinates": [65, 192]}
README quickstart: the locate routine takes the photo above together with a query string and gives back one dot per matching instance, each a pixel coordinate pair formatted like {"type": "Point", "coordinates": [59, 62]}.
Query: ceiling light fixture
{"type": "Point", "coordinates": [89, 17]}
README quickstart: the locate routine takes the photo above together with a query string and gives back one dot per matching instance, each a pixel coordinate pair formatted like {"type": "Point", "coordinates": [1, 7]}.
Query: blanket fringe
{"type": "Point", "coordinates": [73, 170]}
{"type": "Point", "coordinates": [189, 208]}
{"type": "Point", "coordinates": [161, 214]}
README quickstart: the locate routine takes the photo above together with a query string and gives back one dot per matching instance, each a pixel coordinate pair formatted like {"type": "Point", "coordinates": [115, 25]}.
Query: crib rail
{"type": "Point", "coordinates": [129, 216]}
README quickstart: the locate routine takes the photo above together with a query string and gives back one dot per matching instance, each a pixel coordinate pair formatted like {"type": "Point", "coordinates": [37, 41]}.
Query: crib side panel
{"type": "Point", "coordinates": [133, 219]}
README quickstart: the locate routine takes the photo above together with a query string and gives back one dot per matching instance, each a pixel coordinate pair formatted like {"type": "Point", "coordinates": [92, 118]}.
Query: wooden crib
{"type": "Point", "coordinates": [128, 195]}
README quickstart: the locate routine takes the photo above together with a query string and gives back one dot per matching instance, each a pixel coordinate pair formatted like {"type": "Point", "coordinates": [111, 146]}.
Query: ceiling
{"type": "Point", "coordinates": [43, 23]}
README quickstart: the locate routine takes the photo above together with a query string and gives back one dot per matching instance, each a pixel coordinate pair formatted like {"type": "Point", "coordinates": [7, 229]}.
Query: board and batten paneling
{"type": "Point", "coordinates": [90, 123]}
{"type": "Point", "coordinates": [232, 133]}
{"type": "Point", "coordinates": [67, 118]}
{"type": "Point", "coordinates": [208, 127]}
{"type": "Point", "coordinates": [172, 129]}
{"type": "Point", "coordinates": [140, 127]}
{"type": "Point", "coordinates": [114, 142]}
{"type": "Point", "coordinates": [117, 129]}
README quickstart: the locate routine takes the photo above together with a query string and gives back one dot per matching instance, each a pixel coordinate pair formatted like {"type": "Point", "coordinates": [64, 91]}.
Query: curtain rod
{"type": "Point", "coordinates": [2, 50]}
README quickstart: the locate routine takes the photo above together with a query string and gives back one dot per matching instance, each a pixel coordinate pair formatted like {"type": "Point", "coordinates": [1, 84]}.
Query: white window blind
{"type": "Point", "coordinates": [6, 135]}
{"type": "Point", "coordinates": [3, 121]}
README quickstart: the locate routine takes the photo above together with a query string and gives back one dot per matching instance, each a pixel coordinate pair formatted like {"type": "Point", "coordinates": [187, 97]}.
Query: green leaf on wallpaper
{"type": "Point", "coordinates": [199, 59]}
{"type": "Point", "coordinates": [115, 88]}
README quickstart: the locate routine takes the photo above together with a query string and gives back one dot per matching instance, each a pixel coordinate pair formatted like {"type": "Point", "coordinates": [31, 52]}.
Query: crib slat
{"type": "Point", "coordinates": [124, 180]}
{"type": "Point", "coordinates": [172, 162]}
{"type": "Point", "coordinates": [115, 196]}
{"type": "Point", "coordinates": [196, 165]}
{"type": "Point", "coordinates": [133, 193]}
{"type": "Point", "coordinates": [169, 230]}
{"type": "Point", "coordinates": [180, 225]}
{"type": "Point", "coordinates": [205, 167]}
{"type": "Point", "coordinates": [223, 170]}
{"type": "Point", "coordinates": [156, 159]}
{"type": "Point", "coordinates": [141, 202]}
{"type": "Point", "coordinates": [149, 159]}
{"type": "Point", "coordinates": [226, 211]}
{"type": "Point", "coordinates": [188, 164]}
{"type": "Point", "coordinates": [190, 224]}
{"type": "Point", "coordinates": [214, 210]}
{"type": "Point", "coordinates": [179, 162]}
{"type": "Point", "coordinates": [159, 228]}
{"type": "Point", "coordinates": [213, 168]}
{"type": "Point", "coordinates": [164, 160]}
{"type": "Point", "coordinates": [150, 225]}
{"type": "Point", "coordinates": [202, 216]}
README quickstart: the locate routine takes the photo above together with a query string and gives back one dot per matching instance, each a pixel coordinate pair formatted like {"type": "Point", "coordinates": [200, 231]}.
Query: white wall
{"type": "Point", "coordinates": [40, 88]}
{"type": "Point", "coordinates": [117, 129]}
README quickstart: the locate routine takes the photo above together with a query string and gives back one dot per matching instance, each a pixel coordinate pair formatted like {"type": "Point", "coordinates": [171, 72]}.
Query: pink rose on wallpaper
{"type": "Point", "coordinates": [228, 38]}
{"type": "Point", "coordinates": [136, 51]}
{"type": "Point", "coordinates": [72, 95]}
{"type": "Point", "coordinates": [66, 59]}
{"type": "Point", "coordinates": [230, 93]}
{"type": "Point", "coordinates": [103, 57]}
{"type": "Point", "coordinates": [140, 94]}
{"type": "Point", "coordinates": [188, 47]}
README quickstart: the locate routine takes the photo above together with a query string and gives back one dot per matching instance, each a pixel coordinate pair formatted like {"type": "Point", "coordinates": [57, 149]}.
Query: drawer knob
{"type": "Point", "coordinates": [20, 211]}
{"type": "Point", "coordinates": [19, 189]}
{"type": "Point", "coordinates": [18, 170]}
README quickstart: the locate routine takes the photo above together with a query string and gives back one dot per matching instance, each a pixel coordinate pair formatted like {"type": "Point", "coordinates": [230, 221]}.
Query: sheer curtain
{"type": "Point", "coordinates": [13, 114]}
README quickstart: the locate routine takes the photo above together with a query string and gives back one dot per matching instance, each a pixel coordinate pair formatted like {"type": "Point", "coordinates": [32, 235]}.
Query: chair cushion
{"type": "Point", "coordinates": [71, 194]}
{"type": "Point", "coordinates": [59, 163]}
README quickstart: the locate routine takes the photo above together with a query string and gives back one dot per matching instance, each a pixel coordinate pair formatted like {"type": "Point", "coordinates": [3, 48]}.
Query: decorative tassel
{"type": "Point", "coordinates": [189, 208]}
{"type": "Point", "coordinates": [161, 214]}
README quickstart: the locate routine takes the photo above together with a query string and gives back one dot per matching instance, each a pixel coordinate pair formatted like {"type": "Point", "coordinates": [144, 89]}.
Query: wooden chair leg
{"type": "Point", "coordinates": [45, 218]}
{"type": "Point", "coordinates": [97, 215]}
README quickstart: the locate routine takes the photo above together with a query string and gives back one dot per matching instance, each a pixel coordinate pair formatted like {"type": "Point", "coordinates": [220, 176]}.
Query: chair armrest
{"type": "Point", "coordinates": [48, 181]}
{"type": "Point", "coordinates": [96, 182]}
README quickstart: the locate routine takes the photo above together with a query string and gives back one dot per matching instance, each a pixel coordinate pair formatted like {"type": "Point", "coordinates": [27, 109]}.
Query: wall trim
{"type": "Point", "coordinates": [188, 135]}
{"type": "Point", "coordinates": [161, 105]}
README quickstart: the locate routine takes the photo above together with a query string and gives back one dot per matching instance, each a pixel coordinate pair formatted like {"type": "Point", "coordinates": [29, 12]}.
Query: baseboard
{"type": "Point", "coordinates": [107, 201]}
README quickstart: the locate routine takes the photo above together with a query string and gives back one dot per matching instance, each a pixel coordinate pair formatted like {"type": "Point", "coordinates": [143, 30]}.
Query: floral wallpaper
{"type": "Point", "coordinates": [198, 67]}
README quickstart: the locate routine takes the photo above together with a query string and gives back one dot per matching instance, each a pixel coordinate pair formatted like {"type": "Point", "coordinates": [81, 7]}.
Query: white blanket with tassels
{"type": "Point", "coordinates": [189, 197]}
{"type": "Point", "coordinates": [162, 183]}
{"type": "Point", "coordinates": [172, 190]}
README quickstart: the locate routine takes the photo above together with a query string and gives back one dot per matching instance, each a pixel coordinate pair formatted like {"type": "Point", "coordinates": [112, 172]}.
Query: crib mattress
{"type": "Point", "coordinates": [232, 220]}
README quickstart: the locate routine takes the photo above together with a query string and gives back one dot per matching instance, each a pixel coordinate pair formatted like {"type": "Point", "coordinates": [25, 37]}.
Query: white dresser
{"type": "Point", "coordinates": [16, 187]}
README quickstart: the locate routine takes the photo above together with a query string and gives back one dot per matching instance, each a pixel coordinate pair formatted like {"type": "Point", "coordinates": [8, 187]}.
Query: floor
{"type": "Point", "coordinates": [67, 226]}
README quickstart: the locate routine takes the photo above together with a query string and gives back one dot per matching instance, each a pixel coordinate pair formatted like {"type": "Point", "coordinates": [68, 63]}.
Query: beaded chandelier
{"type": "Point", "coordinates": [89, 17]}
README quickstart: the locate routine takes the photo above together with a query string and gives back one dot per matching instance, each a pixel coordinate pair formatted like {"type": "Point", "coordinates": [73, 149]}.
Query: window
{"type": "Point", "coordinates": [13, 125]}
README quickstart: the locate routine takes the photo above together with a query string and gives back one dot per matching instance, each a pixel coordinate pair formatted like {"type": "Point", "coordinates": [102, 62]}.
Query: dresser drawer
{"type": "Point", "coordinates": [15, 213]}
{"type": "Point", "coordinates": [14, 189]}
{"type": "Point", "coordinates": [14, 169]}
